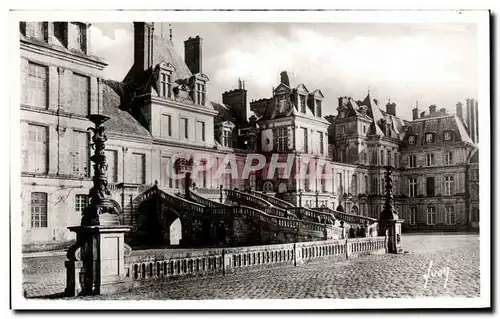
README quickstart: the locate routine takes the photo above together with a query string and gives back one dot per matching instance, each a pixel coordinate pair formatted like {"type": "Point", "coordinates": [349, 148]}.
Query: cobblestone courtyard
{"type": "Point", "coordinates": [372, 276]}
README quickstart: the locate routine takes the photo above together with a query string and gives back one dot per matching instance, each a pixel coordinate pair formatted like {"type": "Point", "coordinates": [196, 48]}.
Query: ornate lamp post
{"type": "Point", "coordinates": [97, 258]}
{"type": "Point", "coordinates": [300, 197]}
{"type": "Point", "coordinates": [389, 221]}
{"type": "Point", "coordinates": [317, 202]}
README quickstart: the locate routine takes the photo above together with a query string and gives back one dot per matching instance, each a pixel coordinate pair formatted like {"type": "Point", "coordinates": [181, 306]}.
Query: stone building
{"type": "Point", "coordinates": [161, 109]}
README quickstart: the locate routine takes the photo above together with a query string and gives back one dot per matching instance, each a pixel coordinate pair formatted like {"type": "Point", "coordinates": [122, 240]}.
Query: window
{"type": "Point", "coordinates": [80, 98]}
{"type": "Point", "coordinates": [449, 215]}
{"type": "Point", "coordinates": [342, 129]}
{"type": "Point", "coordinates": [302, 104]}
{"type": "Point", "coordinates": [305, 170]}
{"type": "Point", "coordinates": [396, 164]}
{"type": "Point", "coordinates": [382, 162]}
{"type": "Point", "coordinates": [321, 142]}
{"type": "Point", "coordinates": [388, 130]}
{"type": "Point", "coordinates": [184, 128]}
{"type": "Point", "coordinates": [431, 215]}
{"type": "Point", "coordinates": [166, 84]}
{"type": "Point", "coordinates": [413, 215]}
{"type": "Point", "coordinates": [318, 108]}
{"type": "Point", "coordinates": [200, 93]}
{"type": "Point", "coordinates": [38, 210]}
{"type": "Point", "coordinates": [430, 159]}
{"type": "Point", "coordinates": [226, 138]}
{"type": "Point", "coordinates": [81, 202]}
{"type": "Point", "coordinates": [323, 185]}
{"type": "Point", "coordinates": [79, 154]}
{"type": "Point", "coordinates": [354, 184]}
{"type": "Point", "coordinates": [252, 180]}
{"type": "Point", "coordinates": [366, 184]}
{"type": "Point", "coordinates": [37, 30]}
{"type": "Point", "coordinates": [35, 153]}
{"type": "Point", "coordinates": [363, 157]}
{"type": "Point", "coordinates": [364, 129]}
{"type": "Point", "coordinates": [429, 138]}
{"type": "Point", "coordinates": [200, 131]}
{"type": "Point", "coordinates": [111, 159]}
{"type": "Point", "coordinates": [77, 38]}
{"type": "Point", "coordinates": [412, 160]}
{"type": "Point", "coordinates": [448, 135]}
{"type": "Point", "coordinates": [282, 139]}
{"type": "Point", "coordinates": [36, 93]}
{"type": "Point", "coordinates": [166, 125]}
{"type": "Point", "coordinates": [137, 168]}
{"type": "Point", "coordinates": [166, 179]}
{"type": "Point", "coordinates": [413, 187]}
{"type": "Point", "coordinates": [389, 158]}
{"type": "Point", "coordinates": [306, 140]}
{"type": "Point", "coordinates": [430, 186]}
{"type": "Point", "coordinates": [448, 185]}
{"type": "Point", "coordinates": [448, 158]}
{"type": "Point", "coordinates": [412, 139]}
{"type": "Point", "coordinates": [340, 190]}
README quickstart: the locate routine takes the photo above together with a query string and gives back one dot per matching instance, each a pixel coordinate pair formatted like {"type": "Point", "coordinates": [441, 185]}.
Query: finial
{"type": "Point", "coordinates": [389, 100]}
{"type": "Point", "coordinates": [368, 90]}
{"type": "Point", "coordinates": [170, 30]}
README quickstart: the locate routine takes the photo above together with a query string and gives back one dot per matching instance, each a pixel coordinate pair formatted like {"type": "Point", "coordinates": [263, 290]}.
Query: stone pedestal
{"type": "Point", "coordinates": [96, 262]}
{"type": "Point", "coordinates": [392, 229]}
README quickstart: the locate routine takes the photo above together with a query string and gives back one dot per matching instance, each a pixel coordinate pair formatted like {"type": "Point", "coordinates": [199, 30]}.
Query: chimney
{"type": "Point", "coordinates": [415, 113]}
{"type": "Point", "coordinates": [391, 108]}
{"type": "Point", "coordinates": [422, 114]}
{"type": "Point", "coordinates": [284, 78]}
{"type": "Point", "coordinates": [237, 100]}
{"type": "Point", "coordinates": [432, 108]}
{"type": "Point", "coordinates": [442, 110]}
{"type": "Point", "coordinates": [193, 54]}
{"type": "Point", "coordinates": [460, 113]}
{"type": "Point", "coordinates": [143, 45]}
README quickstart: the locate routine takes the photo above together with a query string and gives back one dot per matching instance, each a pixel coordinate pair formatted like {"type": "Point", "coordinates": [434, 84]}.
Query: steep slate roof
{"type": "Point", "coordinates": [438, 125]}
{"type": "Point", "coordinates": [121, 122]}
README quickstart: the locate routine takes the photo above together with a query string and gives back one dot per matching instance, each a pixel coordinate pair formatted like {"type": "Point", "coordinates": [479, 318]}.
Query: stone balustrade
{"type": "Point", "coordinates": [251, 199]}
{"type": "Point", "coordinates": [273, 200]}
{"type": "Point", "coordinates": [347, 217]}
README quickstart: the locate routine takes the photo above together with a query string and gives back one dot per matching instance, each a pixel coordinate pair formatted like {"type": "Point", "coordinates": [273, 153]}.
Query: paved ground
{"type": "Point", "coordinates": [373, 276]}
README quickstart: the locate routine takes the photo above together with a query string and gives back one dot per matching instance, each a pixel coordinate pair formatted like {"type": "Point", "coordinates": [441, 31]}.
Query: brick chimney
{"type": "Point", "coordinates": [193, 54]}
{"type": "Point", "coordinates": [415, 113]}
{"type": "Point", "coordinates": [143, 45]}
{"type": "Point", "coordinates": [422, 114]}
{"type": "Point", "coordinates": [237, 99]}
{"type": "Point", "coordinates": [442, 110]}
{"type": "Point", "coordinates": [432, 108]}
{"type": "Point", "coordinates": [391, 108]}
{"type": "Point", "coordinates": [460, 113]}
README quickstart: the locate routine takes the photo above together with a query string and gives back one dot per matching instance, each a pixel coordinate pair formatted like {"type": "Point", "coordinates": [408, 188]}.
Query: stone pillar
{"type": "Point", "coordinates": [389, 222]}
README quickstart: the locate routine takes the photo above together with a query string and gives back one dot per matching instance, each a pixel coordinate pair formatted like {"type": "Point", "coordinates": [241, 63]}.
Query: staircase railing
{"type": "Point", "coordinates": [260, 202]}
{"type": "Point", "coordinates": [195, 196]}
{"type": "Point", "coordinates": [347, 217]}
{"type": "Point", "coordinates": [273, 200]}
{"type": "Point", "coordinates": [314, 214]}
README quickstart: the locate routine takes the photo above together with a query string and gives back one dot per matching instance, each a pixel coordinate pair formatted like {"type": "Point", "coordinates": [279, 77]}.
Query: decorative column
{"type": "Point", "coordinates": [389, 222]}
{"type": "Point", "coordinates": [97, 259]}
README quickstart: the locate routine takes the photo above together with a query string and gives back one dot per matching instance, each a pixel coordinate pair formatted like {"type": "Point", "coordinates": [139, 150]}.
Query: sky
{"type": "Point", "coordinates": [429, 63]}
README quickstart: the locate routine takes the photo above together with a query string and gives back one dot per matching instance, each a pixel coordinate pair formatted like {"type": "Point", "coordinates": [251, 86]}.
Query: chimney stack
{"type": "Point", "coordinates": [432, 108]}
{"type": "Point", "coordinates": [237, 100]}
{"type": "Point", "coordinates": [442, 110]}
{"type": "Point", "coordinates": [460, 113]}
{"type": "Point", "coordinates": [422, 114]}
{"type": "Point", "coordinates": [193, 54]}
{"type": "Point", "coordinates": [391, 108]}
{"type": "Point", "coordinates": [143, 45]}
{"type": "Point", "coordinates": [415, 113]}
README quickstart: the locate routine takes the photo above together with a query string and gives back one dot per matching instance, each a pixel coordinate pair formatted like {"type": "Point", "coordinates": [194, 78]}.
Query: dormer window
{"type": "Point", "coordinates": [412, 139]}
{"type": "Point", "coordinates": [318, 108]}
{"type": "Point", "coordinates": [448, 135]}
{"type": "Point", "coordinates": [342, 114]}
{"type": "Point", "coordinates": [226, 138]}
{"type": "Point", "coordinates": [388, 130]}
{"type": "Point", "coordinates": [36, 30]}
{"type": "Point", "coordinates": [77, 36]}
{"type": "Point", "coordinates": [342, 129]}
{"type": "Point", "coordinates": [430, 138]}
{"type": "Point", "coordinates": [200, 93]}
{"type": "Point", "coordinates": [302, 101]}
{"type": "Point", "coordinates": [165, 84]}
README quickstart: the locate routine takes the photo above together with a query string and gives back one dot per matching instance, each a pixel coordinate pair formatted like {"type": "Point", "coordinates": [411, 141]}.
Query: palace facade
{"type": "Point", "coordinates": [161, 109]}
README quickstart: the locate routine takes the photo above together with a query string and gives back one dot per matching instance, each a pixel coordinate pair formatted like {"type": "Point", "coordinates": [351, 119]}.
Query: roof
{"type": "Point", "coordinates": [438, 125]}
{"type": "Point", "coordinates": [121, 122]}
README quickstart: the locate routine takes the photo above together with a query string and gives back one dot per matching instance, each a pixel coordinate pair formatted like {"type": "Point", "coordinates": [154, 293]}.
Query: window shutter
{"type": "Point", "coordinates": [290, 137]}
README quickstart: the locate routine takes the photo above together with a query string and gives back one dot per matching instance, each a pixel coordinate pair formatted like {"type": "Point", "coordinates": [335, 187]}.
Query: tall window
{"type": "Point", "coordinates": [282, 139]}
{"type": "Point", "coordinates": [430, 186]}
{"type": "Point", "coordinates": [36, 30]}
{"type": "Point", "coordinates": [226, 138]}
{"type": "Point", "coordinates": [166, 84]}
{"type": "Point", "coordinates": [431, 215]}
{"type": "Point", "coordinates": [306, 140]}
{"type": "Point", "coordinates": [302, 103]}
{"type": "Point", "coordinates": [80, 154]}
{"type": "Point", "coordinates": [77, 40]}
{"type": "Point", "coordinates": [413, 215]}
{"type": "Point", "coordinates": [137, 168]}
{"type": "Point", "coordinates": [430, 159]}
{"type": "Point", "coordinates": [323, 184]}
{"type": "Point", "coordinates": [413, 187]}
{"type": "Point", "coordinates": [81, 97]}
{"type": "Point", "coordinates": [429, 138]}
{"type": "Point", "coordinates": [36, 90]}
{"type": "Point", "coordinates": [382, 161]}
{"type": "Point", "coordinates": [396, 164]}
{"type": "Point", "coordinates": [35, 153]}
{"type": "Point", "coordinates": [366, 184]}
{"type": "Point", "coordinates": [111, 159]}
{"type": "Point", "coordinates": [200, 131]}
{"type": "Point", "coordinates": [448, 185]}
{"type": "Point", "coordinates": [321, 142]}
{"type": "Point", "coordinates": [354, 184]}
{"type": "Point", "coordinates": [412, 139]}
{"type": "Point", "coordinates": [448, 158]}
{"type": "Point", "coordinates": [81, 202]}
{"type": "Point", "coordinates": [200, 93]}
{"type": "Point", "coordinates": [412, 160]}
{"type": "Point", "coordinates": [38, 210]}
{"type": "Point", "coordinates": [166, 178]}
{"type": "Point", "coordinates": [388, 130]}
{"type": "Point", "coordinates": [184, 128]}
{"type": "Point", "coordinates": [389, 158]}
{"type": "Point", "coordinates": [318, 108]}
{"type": "Point", "coordinates": [340, 189]}
{"type": "Point", "coordinates": [364, 129]}
{"type": "Point", "coordinates": [166, 125]}
{"type": "Point", "coordinates": [342, 129]}
{"type": "Point", "coordinates": [449, 215]}
{"type": "Point", "coordinates": [448, 135]}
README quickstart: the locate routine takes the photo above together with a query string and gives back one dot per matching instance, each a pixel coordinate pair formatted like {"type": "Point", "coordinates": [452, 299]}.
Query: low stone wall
{"type": "Point", "coordinates": [146, 266]}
